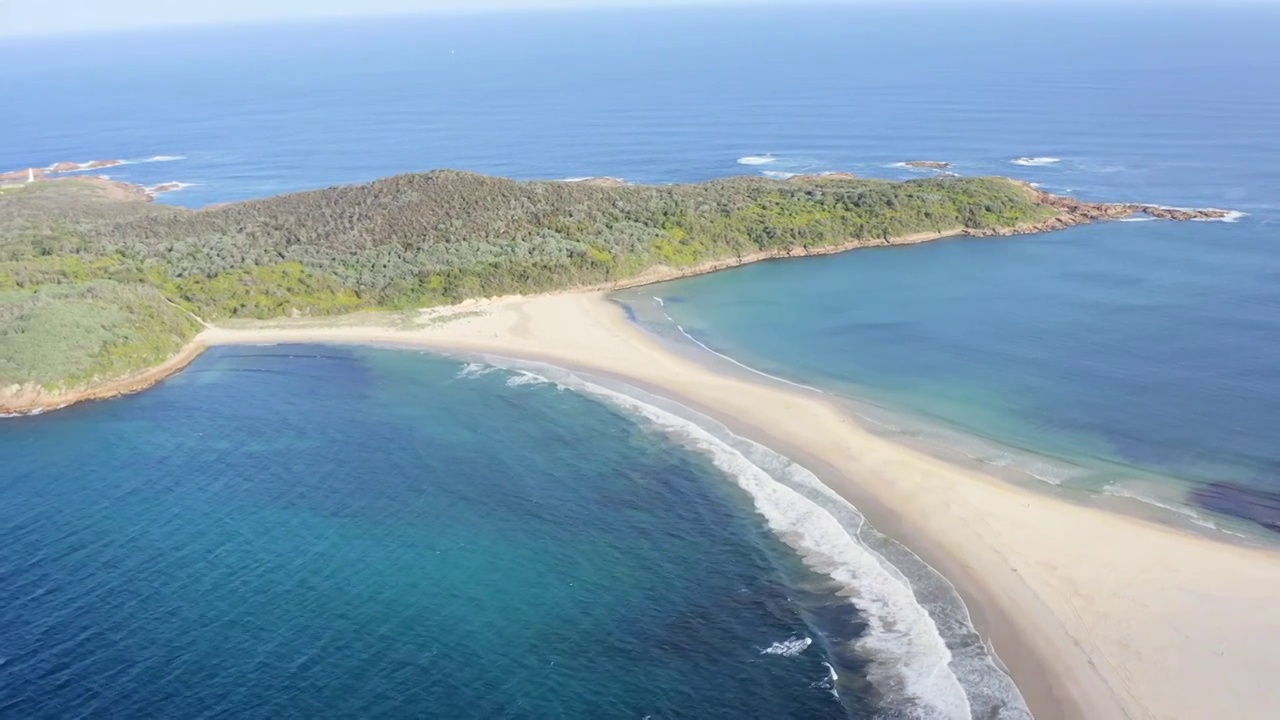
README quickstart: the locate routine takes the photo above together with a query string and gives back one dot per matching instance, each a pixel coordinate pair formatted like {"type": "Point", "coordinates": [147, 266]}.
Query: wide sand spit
{"type": "Point", "coordinates": [1096, 614]}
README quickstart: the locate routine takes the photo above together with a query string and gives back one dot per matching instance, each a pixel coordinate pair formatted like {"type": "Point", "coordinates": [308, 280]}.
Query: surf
{"type": "Point", "coordinates": [1035, 161]}
{"type": "Point", "coordinates": [909, 642]}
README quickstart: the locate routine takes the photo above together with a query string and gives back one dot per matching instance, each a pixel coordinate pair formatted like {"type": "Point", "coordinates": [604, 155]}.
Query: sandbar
{"type": "Point", "coordinates": [1096, 614]}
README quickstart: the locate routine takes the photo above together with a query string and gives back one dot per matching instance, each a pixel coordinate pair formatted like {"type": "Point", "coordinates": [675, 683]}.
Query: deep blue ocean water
{"type": "Point", "coordinates": [313, 531]}
{"type": "Point", "coordinates": [284, 561]}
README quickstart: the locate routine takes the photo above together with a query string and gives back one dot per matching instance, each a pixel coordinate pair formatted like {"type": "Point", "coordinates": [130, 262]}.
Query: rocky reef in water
{"type": "Point", "coordinates": [1072, 212]}
{"type": "Point", "coordinates": [1240, 501]}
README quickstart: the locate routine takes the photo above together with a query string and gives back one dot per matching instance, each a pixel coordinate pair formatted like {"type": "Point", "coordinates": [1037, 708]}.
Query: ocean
{"type": "Point", "coordinates": [334, 532]}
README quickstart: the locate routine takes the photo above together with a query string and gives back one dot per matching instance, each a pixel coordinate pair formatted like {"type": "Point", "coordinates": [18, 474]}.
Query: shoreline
{"type": "Point", "coordinates": [22, 400]}
{"type": "Point", "coordinates": [1095, 614]}
{"type": "Point", "coordinates": [1068, 212]}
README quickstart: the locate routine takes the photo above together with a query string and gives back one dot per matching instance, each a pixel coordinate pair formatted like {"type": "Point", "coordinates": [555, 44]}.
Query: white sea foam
{"type": "Point", "coordinates": [757, 160]}
{"type": "Point", "coordinates": [659, 301]}
{"type": "Point", "coordinates": [474, 370]}
{"type": "Point", "coordinates": [82, 166]}
{"type": "Point", "coordinates": [1035, 161]}
{"type": "Point", "coordinates": [832, 677]}
{"type": "Point", "coordinates": [523, 377]}
{"type": "Point", "coordinates": [1231, 217]}
{"type": "Point", "coordinates": [164, 158]}
{"type": "Point", "coordinates": [909, 658]}
{"type": "Point", "coordinates": [1136, 219]}
{"type": "Point", "coordinates": [790, 647]}
{"type": "Point", "coordinates": [779, 174]}
{"type": "Point", "coordinates": [917, 672]}
{"type": "Point", "coordinates": [167, 187]}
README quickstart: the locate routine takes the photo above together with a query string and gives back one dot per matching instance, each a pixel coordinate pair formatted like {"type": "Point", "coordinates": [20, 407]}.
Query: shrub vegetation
{"type": "Point", "coordinates": [91, 286]}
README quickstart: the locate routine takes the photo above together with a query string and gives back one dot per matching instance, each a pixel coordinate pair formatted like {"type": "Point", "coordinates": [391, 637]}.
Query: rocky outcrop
{"type": "Point", "coordinates": [30, 399]}
{"type": "Point", "coordinates": [1072, 212]}
{"type": "Point", "coordinates": [927, 164]}
{"type": "Point", "coordinates": [823, 176]}
{"type": "Point", "coordinates": [1168, 213]}
{"type": "Point", "coordinates": [23, 175]}
{"type": "Point", "coordinates": [63, 167]}
{"type": "Point", "coordinates": [602, 181]}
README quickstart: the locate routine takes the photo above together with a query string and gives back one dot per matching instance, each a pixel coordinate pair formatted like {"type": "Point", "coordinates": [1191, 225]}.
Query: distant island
{"type": "Point", "coordinates": [928, 164]}
{"type": "Point", "coordinates": [101, 292]}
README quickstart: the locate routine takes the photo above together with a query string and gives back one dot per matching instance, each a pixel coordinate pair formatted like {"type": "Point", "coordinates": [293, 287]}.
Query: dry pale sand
{"type": "Point", "coordinates": [1097, 615]}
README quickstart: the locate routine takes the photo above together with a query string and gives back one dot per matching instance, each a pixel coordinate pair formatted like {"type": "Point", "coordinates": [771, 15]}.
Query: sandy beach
{"type": "Point", "coordinates": [1096, 615]}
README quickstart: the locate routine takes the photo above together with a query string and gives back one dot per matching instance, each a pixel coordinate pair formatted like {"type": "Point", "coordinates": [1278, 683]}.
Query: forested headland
{"type": "Point", "coordinates": [93, 286]}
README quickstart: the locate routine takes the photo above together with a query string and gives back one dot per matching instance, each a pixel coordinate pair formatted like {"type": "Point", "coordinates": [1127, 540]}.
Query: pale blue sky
{"type": "Point", "coordinates": [41, 17]}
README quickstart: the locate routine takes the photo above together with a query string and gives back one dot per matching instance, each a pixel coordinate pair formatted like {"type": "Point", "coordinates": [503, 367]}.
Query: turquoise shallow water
{"type": "Point", "coordinates": [1125, 358]}
{"type": "Point", "coordinates": [273, 535]}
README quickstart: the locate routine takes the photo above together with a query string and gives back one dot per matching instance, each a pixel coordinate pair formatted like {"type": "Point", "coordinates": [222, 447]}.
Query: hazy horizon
{"type": "Point", "coordinates": [76, 17]}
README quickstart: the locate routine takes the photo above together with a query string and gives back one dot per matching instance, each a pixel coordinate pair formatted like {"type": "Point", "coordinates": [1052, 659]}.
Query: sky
{"type": "Point", "coordinates": [50, 17]}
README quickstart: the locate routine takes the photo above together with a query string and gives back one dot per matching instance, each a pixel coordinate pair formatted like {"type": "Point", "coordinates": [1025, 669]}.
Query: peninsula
{"type": "Point", "coordinates": [1096, 615]}
{"type": "Point", "coordinates": [101, 291]}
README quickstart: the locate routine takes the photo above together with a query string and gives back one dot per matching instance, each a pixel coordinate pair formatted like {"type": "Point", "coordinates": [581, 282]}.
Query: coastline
{"type": "Point", "coordinates": [28, 400]}
{"type": "Point", "coordinates": [1095, 614]}
{"type": "Point", "coordinates": [1067, 212]}
{"type": "Point", "coordinates": [24, 400]}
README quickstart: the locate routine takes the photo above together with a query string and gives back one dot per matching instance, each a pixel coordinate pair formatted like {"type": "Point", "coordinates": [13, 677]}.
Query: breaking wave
{"type": "Point", "coordinates": [1231, 217]}
{"type": "Point", "coordinates": [471, 370]}
{"type": "Point", "coordinates": [790, 647]}
{"type": "Point", "coordinates": [925, 659]}
{"type": "Point", "coordinates": [757, 160]}
{"type": "Point", "coordinates": [163, 158]}
{"type": "Point", "coordinates": [1035, 161]}
{"type": "Point", "coordinates": [167, 187]}
{"type": "Point", "coordinates": [524, 377]}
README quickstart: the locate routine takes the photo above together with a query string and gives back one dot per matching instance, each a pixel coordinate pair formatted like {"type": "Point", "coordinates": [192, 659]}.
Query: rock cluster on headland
{"type": "Point", "coordinates": [929, 164]}
{"type": "Point", "coordinates": [115, 188]}
{"type": "Point", "coordinates": [1072, 212]}
{"type": "Point", "coordinates": [63, 167]}
{"type": "Point", "coordinates": [23, 175]}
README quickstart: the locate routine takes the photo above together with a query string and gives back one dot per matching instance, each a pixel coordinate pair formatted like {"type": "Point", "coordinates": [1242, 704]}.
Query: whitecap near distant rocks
{"type": "Point", "coordinates": [1035, 161]}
